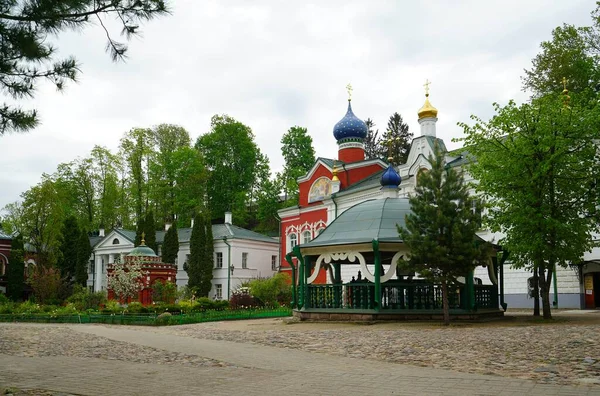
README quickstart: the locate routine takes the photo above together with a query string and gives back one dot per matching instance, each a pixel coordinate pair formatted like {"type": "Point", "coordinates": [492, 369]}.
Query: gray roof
{"type": "Point", "coordinates": [372, 219]}
{"type": "Point", "coordinates": [371, 181]}
{"type": "Point", "coordinates": [94, 240]}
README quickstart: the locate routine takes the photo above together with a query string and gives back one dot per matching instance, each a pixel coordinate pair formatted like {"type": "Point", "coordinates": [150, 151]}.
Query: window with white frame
{"type": "Point", "coordinates": [219, 291]}
{"type": "Point", "coordinates": [293, 240]}
{"type": "Point", "coordinates": [244, 260]}
{"type": "Point", "coordinates": [306, 236]}
{"type": "Point", "coordinates": [219, 260]}
{"type": "Point", "coordinates": [274, 263]}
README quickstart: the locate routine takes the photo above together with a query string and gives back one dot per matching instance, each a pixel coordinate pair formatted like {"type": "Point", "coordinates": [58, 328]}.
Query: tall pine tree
{"type": "Point", "coordinates": [170, 246]}
{"type": "Point", "coordinates": [372, 141]}
{"type": "Point", "coordinates": [150, 230]}
{"type": "Point", "coordinates": [207, 262]}
{"type": "Point", "coordinates": [84, 250]}
{"type": "Point", "coordinates": [440, 231]}
{"type": "Point", "coordinates": [197, 242]}
{"type": "Point", "coordinates": [16, 269]}
{"type": "Point", "coordinates": [401, 139]}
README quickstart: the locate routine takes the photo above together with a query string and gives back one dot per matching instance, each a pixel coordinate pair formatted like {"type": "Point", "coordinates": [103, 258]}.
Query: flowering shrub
{"type": "Point", "coordinates": [242, 298]}
{"type": "Point", "coordinates": [125, 279]}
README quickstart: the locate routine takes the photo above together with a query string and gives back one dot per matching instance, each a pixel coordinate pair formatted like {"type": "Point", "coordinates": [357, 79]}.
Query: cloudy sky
{"type": "Point", "coordinates": [274, 64]}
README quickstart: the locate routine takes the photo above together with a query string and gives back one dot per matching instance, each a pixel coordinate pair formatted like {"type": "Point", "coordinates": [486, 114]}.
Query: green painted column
{"type": "Point", "coordinates": [338, 285]}
{"type": "Point", "coordinates": [306, 260]}
{"type": "Point", "coordinates": [288, 258]}
{"type": "Point", "coordinates": [470, 292]}
{"type": "Point", "coordinates": [301, 270]}
{"type": "Point", "coordinates": [377, 275]}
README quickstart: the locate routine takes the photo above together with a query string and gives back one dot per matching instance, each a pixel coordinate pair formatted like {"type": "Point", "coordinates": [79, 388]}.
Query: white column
{"type": "Point", "coordinates": [97, 272]}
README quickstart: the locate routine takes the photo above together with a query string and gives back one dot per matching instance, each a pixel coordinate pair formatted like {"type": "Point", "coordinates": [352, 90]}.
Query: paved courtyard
{"type": "Point", "coordinates": [268, 357]}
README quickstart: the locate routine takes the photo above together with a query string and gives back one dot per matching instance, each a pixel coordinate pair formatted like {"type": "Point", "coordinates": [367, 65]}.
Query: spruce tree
{"type": "Point", "coordinates": [16, 269]}
{"type": "Point", "coordinates": [207, 262]}
{"type": "Point", "coordinates": [139, 229]}
{"type": "Point", "coordinates": [150, 230]}
{"type": "Point", "coordinates": [440, 231]}
{"type": "Point", "coordinates": [84, 250]}
{"type": "Point", "coordinates": [68, 248]}
{"type": "Point", "coordinates": [197, 241]}
{"type": "Point", "coordinates": [170, 246]}
{"type": "Point", "coordinates": [401, 139]}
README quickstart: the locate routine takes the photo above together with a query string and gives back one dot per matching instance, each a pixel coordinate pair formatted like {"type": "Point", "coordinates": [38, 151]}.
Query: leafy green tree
{"type": "Point", "coordinates": [16, 269]}
{"type": "Point", "coordinates": [28, 56]}
{"type": "Point", "coordinates": [537, 166]}
{"type": "Point", "coordinates": [136, 149]}
{"type": "Point", "coordinates": [106, 184]}
{"type": "Point", "coordinates": [190, 184]}
{"type": "Point", "coordinates": [84, 251]}
{"type": "Point", "coordinates": [170, 246]}
{"type": "Point", "coordinates": [69, 241]}
{"type": "Point", "coordinates": [399, 137]}
{"type": "Point", "coordinates": [268, 204]}
{"type": "Point", "coordinates": [299, 156]}
{"type": "Point", "coordinates": [440, 231]}
{"type": "Point", "coordinates": [569, 54]}
{"type": "Point", "coordinates": [372, 141]}
{"type": "Point", "coordinates": [167, 139]}
{"type": "Point", "coordinates": [197, 246]}
{"type": "Point", "coordinates": [231, 157]}
{"type": "Point", "coordinates": [207, 262]}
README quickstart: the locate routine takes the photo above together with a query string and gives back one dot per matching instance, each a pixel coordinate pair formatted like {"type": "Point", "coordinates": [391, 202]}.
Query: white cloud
{"type": "Point", "coordinates": [273, 65]}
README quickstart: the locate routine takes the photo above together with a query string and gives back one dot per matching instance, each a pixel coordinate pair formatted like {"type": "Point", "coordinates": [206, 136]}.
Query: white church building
{"type": "Point", "coordinates": [239, 255]}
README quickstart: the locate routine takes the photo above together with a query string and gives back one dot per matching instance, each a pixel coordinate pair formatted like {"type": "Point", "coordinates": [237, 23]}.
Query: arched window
{"type": "Point", "coordinates": [306, 236]}
{"type": "Point", "coordinates": [3, 262]}
{"type": "Point", "coordinates": [293, 240]}
{"type": "Point", "coordinates": [116, 241]}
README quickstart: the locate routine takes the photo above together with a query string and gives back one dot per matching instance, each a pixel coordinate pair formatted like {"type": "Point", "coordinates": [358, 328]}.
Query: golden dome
{"type": "Point", "coordinates": [427, 111]}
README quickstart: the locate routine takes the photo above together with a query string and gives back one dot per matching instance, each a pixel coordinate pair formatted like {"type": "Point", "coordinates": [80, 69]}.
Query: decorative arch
{"type": "Point", "coordinates": [327, 258]}
{"type": "Point", "coordinates": [3, 262]}
{"type": "Point", "coordinates": [116, 241]}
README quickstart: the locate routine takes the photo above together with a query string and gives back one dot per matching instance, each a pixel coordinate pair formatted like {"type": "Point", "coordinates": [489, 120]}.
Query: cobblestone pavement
{"type": "Point", "coordinates": [52, 360]}
{"type": "Point", "coordinates": [557, 354]}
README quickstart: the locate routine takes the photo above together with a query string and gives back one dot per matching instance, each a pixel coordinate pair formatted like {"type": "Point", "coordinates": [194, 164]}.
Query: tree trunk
{"type": "Point", "coordinates": [445, 304]}
{"type": "Point", "coordinates": [545, 292]}
{"type": "Point", "coordinates": [536, 293]}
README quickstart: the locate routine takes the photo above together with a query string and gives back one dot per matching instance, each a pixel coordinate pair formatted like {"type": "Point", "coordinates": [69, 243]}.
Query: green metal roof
{"type": "Point", "coordinates": [142, 250]}
{"type": "Point", "coordinates": [372, 219]}
{"type": "Point", "coordinates": [219, 231]}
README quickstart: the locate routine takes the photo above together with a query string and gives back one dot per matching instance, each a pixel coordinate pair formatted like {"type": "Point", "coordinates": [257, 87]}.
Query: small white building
{"type": "Point", "coordinates": [239, 255]}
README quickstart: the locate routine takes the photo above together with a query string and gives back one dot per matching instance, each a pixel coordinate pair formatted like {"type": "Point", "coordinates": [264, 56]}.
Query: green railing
{"type": "Point", "coordinates": [415, 295]}
{"type": "Point", "coordinates": [150, 319]}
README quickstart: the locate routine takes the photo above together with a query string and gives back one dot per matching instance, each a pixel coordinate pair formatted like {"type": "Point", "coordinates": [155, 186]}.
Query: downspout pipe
{"type": "Point", "coordinates": [505, 254]}
{"type": "Point", "coordinates": [555, 302]}
{"type": "Point", "coordinates": [228, 268]}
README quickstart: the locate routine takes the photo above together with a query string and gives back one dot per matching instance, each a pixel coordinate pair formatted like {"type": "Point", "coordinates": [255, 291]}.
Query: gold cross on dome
{"type": "Point", "coordinates": [349, 89]}
{"type": "Point", "coordinates": [426, 85]}
{"type": "Point", "coordinates": [143, 238]}
{"type": "Point", "coordinates": [564, 81]}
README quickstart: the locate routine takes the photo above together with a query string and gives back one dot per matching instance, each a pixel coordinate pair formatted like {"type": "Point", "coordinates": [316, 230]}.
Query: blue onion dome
{"type": "Point", "coordinates": [350, 127]}
{"type": "Point", "coordinates": [390, 178]}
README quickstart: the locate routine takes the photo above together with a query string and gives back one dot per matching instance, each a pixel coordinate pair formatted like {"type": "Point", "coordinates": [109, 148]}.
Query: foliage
{"type": "Point", "coordinates": [190, 184]}
{"type": "Point", "coordinates": [197, 245]}
{"type": "Point", "coordinates": [537, 165]}
{"type": "Point", "coordinates": [299, 156]}
{"type": "Point", "coordinates": [232, 158]}
{"type": "Point", "coordinates": [69, 240]}
{"type": "Point", "coordinates": [572, 53]}
{"type": "Point", "coordinates": [243, 299]}
{"type": "Point", "coordinates": [125, 279]}
{"type": "Point", "coordinates": [47, 284]}
{"type": "Point", "coordinates": [268, 204]}
{"type": "Point", "coordinates": [16, 269]}
{"type": "Point", "coordinates": [372, 141]}
{"type": "Point", "coordinates": [272, 292]}
{"type": "Point", "coordinates": [440, 230]}
{"type": "Point", "coordinates": [170, 246]}
{"type": "Point", "coordinates": [84, 251]}
{"type": "Point", "coordinates": [83, 299]}
{"type": "Point", "coordinates": [150, 231]}
{"type": "Point", "coordinates": [3, 299]}
{"type": "Point", "coordinates": [165, 292]}
{"type": "Point", "coordinates": [28, 56]}
{"type": "Point", "coordinates": [397, 133]}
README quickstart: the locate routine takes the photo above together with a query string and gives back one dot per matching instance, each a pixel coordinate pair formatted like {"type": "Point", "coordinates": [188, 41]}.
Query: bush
{"type": "Point", "coordinates": [163, 318]}
{"type": "Point", "coordinates": [243, 299]}
{"type": "Point", "coordinates": [47, 285]}
{"type": "Point", "coordinates": [112, 306]}
{"type": "Point", "coordinates": [7, 308]}
{"type": "Point", "coordinates": [4, 299]}
{"type": "Point", "coordinates": [137, 307]}
{"type": "Point", "coordinates": [164, 292]}
{"type": "Point", "coordinates": [84, 300]}
{"type": "Point", "coordinates": [272, 292]}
